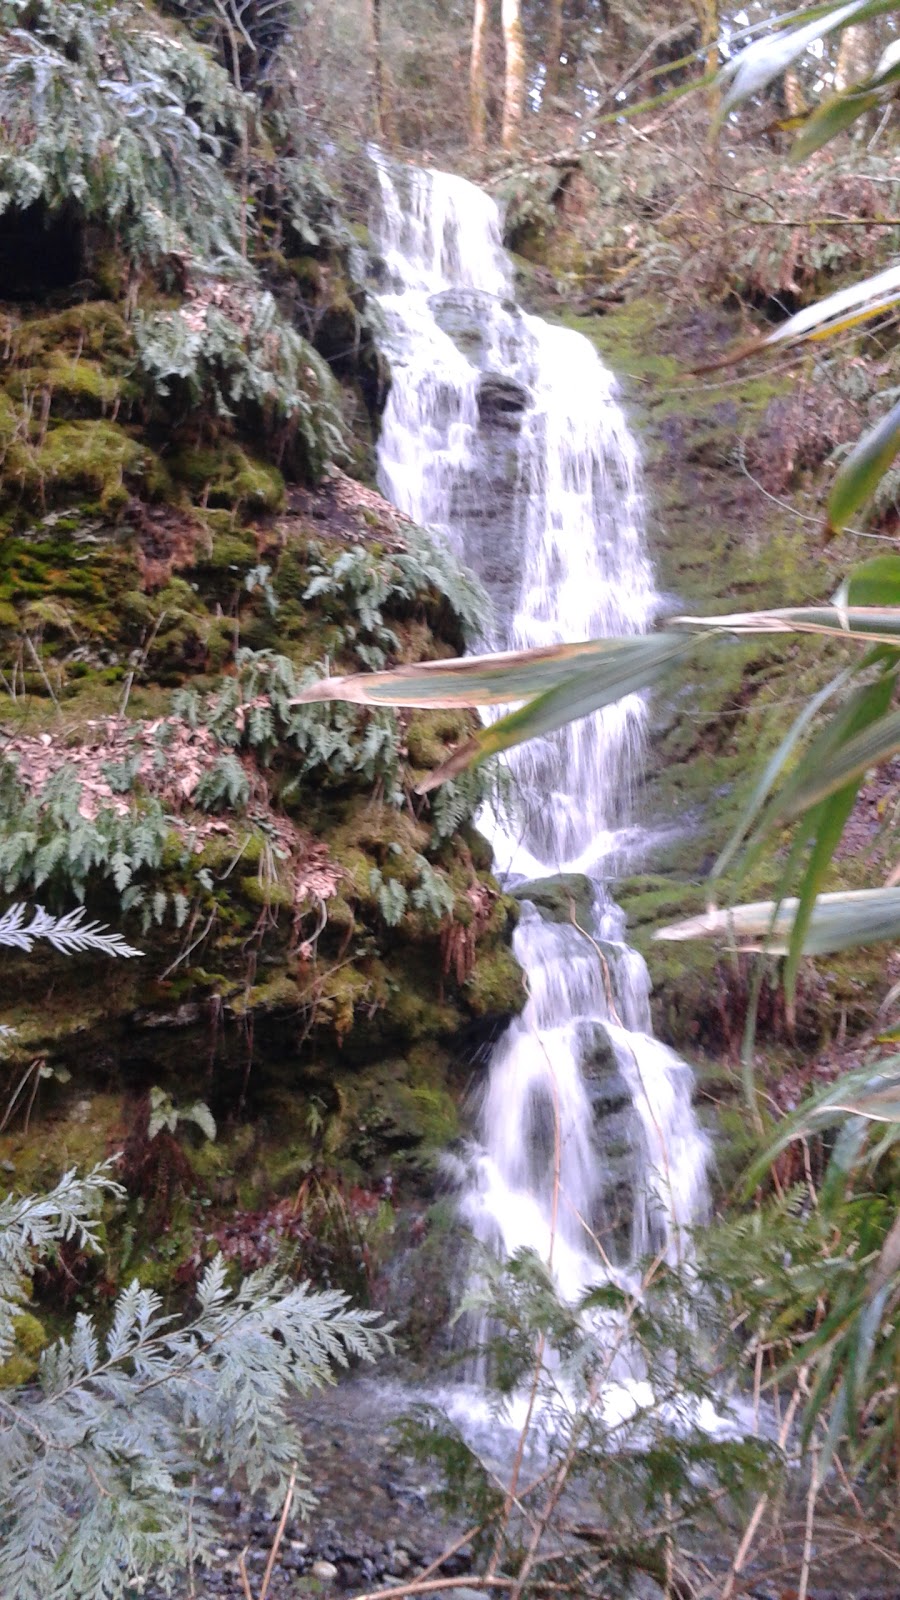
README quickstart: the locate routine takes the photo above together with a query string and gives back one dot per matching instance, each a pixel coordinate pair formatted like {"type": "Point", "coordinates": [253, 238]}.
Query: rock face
{"type": "Point", "coordinates": [321, 953]}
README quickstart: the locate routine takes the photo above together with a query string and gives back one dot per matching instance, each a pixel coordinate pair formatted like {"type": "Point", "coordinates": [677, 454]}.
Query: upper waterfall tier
{"type": "Point", "coordinates": [505, 433]}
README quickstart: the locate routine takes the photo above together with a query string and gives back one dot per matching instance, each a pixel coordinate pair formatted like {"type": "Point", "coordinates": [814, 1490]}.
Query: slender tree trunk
{"type": "Point", "coordinates": [476, 75]}
{"type": "Point", "coordinates": [554, 49]}
{"type": "Point", "coordinates": [514, 87]}
{"type": "Point", "coordinates": [373, 18]}
{"type": "Point", "coordinates": [855, 57]}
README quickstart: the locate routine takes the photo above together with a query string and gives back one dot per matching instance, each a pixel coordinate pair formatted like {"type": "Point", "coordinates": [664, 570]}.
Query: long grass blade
{"type": "Point", "coordinates": [634, 666]}
{"type": "Point", "coordinates": [767, 58]}
{"type": "Point", "coordinates": [871, 623]}
{"type": "Point", "coordinates": [839, 921]}
{"type": "Point", "coordinates": [476, 680]}
{"type": "Point", "coordinates": [774, 768]}
{"type": "Point", "coordinates": [863, 469]}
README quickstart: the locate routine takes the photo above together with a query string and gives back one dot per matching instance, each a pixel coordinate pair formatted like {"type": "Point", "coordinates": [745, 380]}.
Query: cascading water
{"type": "Point", "coordinates": [504, 434]}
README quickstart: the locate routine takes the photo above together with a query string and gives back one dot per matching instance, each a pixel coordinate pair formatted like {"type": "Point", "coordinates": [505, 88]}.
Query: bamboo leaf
{"type": "Point", "coordinates": [873, 623]}
{"type": "Point", "coordinates": [873, 583]}
{"type": "Point", "coordinates": [839, 921]}
{"type": "Point", "coordinates": [865, 749]}
{"type": "Point", "coordinates": [775, 767]}
{"type": "Point", "coordinates": [765, 59]}
{"type": "Point", "coordinates": [830, 119]}
{"type": "Point", "coordinates": [828, 826]}
{"type": "Point", "coordinates": [474, 680]}
{"type": "Point", "coordinates": [880, 290]}
{"type": "Point", "coordinates": [634, 665]}
{"type": "Point", "coordinates": [863, 469]}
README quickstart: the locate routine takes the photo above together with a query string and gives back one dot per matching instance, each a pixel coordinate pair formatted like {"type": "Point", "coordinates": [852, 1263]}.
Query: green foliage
{"type": "Point", "coordinates": [165, 1115]}
{"type": "Point", "coordinates": [230, 346]}
{"type": "Point", "coordinates": [838, 1250]}
{"type": "Point", "coordinates": [623, 1449]}
{"type": "Point", "coordinates": [67, 934]}
{"type": "Point", "coordinates": [391, 897]}
{"type": "Point", "coordinates": [254, 710]}
{"type": "Point", "coordinates": [369, 581]}
{"type": "Point", "coordinates": [105, 109]}
{"type": "Point", "coordinates": [97, 1463]}
{"type": "Point", "coordinates": [45, 838]}
{"type": "Point", "coordinates": [35, 1225]}
{"type": "Point", "coordinates": [460, 799]}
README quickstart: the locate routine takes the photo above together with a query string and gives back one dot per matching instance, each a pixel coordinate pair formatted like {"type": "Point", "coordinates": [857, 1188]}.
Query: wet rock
{"type": "Point", "coordinates": [325, 1571]}
{"type": "Point", "coordinates": [458, 1563]}
{"type": "Point", "coordinates": [560, 897]}
{"type": "Point", "coordinates": [501, 400]}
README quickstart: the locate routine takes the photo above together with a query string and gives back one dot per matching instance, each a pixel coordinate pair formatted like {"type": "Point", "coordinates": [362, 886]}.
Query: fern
{"type": "Point", "coordinates": [459, 800]}
{"type": "Point", "coordinates": [96, 1465]}
{"type": "Point", "coordinates": [225, 785]}
{"type": "Point", "coordinates": [432, 892]}
{"type": "Point", "coordinates": [31, 1227]}
{"type": "Point", "coordinates": [230, 345]}
{"type": "Point", "coordinates": [69, 934]}
{"type": "Point", "coordinates": [390, 895]}
{"type": "Point", "coordinates": [370, 583]}
{"type": "Point", "coordinates": [105, 112]}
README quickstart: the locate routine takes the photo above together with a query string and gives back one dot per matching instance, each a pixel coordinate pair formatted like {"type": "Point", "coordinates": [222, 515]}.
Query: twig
{"type": "Point", "coordinates": [811, 1499]}
{"type": "Point", "coordinates": [242, 1569]}
{"type": "Point", "coordinates": [445, 1555]}
{"type": "Point", "coordinates": [432, 1585]}
{"type": "Point", "coordinates": [279, 1534]}
{"type": "Point", "coordinates": [743, 1549]}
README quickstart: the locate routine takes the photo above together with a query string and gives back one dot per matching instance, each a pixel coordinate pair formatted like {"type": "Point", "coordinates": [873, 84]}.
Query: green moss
{"type": "Point", "coordinates": [268, 892]}
{"type": "Point", "coordinates": [228, 477]}
{"type": "Point", "coordinates": [96, 458]}
{"type": "Point", "coordinates": [84, 1131]}
{"type": "Point", "coordinates": [95, 330]}
{"type": "Point", "coordinates": [496, 986]}
{"type": "Point", "coordinates": [563, 897]}
{"type": "Point", "coordinates": [30, 1339]}
{"type": "Point", "coordinates": [77, 386]}
{"type": "Point", "coordinates": [431, 734]}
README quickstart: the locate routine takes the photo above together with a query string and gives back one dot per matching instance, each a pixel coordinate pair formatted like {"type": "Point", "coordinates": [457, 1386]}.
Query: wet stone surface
{"type": "Point", "coordinates": [377, 1522]}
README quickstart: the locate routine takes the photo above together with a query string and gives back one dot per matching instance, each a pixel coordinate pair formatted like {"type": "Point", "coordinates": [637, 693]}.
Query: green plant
{"type": "Point", "coordinates": [105, 110]}
{"type": "Point", "coordinates": [613, 1474]}
{"type": "Point", "coordinates": [229, 346]}
{"type": "Point", "coordinates": [165, 1115]}
{"type": "Point", "coordinates": [98, 1460]}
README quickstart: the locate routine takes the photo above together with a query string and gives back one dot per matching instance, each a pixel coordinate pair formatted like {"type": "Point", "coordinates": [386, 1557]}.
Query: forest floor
{"type": "Point", "coordinates": [380, 1523]}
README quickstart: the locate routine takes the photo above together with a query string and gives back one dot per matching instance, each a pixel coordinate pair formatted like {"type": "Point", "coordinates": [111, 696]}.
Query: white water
{"type": "Point", "coordinates": [504, 433]}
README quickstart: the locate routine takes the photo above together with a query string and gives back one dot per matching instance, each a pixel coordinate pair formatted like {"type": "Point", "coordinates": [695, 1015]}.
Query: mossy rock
{"type": "Point", "coordinates": [97, 459]}
{"type": "Point", "coordinates": [560, 898]}
{"type": "Point", "coordinates": [496, 986]}
{"type": "Point", "coordinates": [95, 330]}
{"type": "Point", "coordinates": [228, 477]}
{"type": "Point", "coordinates": [21, 1364]}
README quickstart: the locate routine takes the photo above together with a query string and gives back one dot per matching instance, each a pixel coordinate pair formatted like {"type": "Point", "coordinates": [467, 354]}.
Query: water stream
{"type": "Point", "coordinates": [504, 433]}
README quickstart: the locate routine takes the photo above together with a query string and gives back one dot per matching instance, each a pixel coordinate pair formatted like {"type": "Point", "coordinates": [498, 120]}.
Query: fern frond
{"type": "Point", "coordinates": [69, 934]}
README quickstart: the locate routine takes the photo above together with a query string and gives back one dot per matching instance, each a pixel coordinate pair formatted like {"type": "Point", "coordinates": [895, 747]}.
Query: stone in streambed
{"type": "Point", "coordinates": [562, 897]}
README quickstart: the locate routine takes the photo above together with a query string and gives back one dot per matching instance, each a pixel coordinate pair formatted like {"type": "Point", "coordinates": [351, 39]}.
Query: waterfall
{"type": "Point", "coordinates": [504, 433]}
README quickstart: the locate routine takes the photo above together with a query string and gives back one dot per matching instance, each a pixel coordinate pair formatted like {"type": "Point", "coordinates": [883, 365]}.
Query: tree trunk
{"type": "Point", "coordinates": [855, 57]}
{"type": "Point", "coordinates": [373, 17]}
{"type": "Point", "coordinates": [514, 86]}
{"type": "Point", "coordinates": [476, 75]}
{"type": "Point", "coordinates": [554, 49]}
